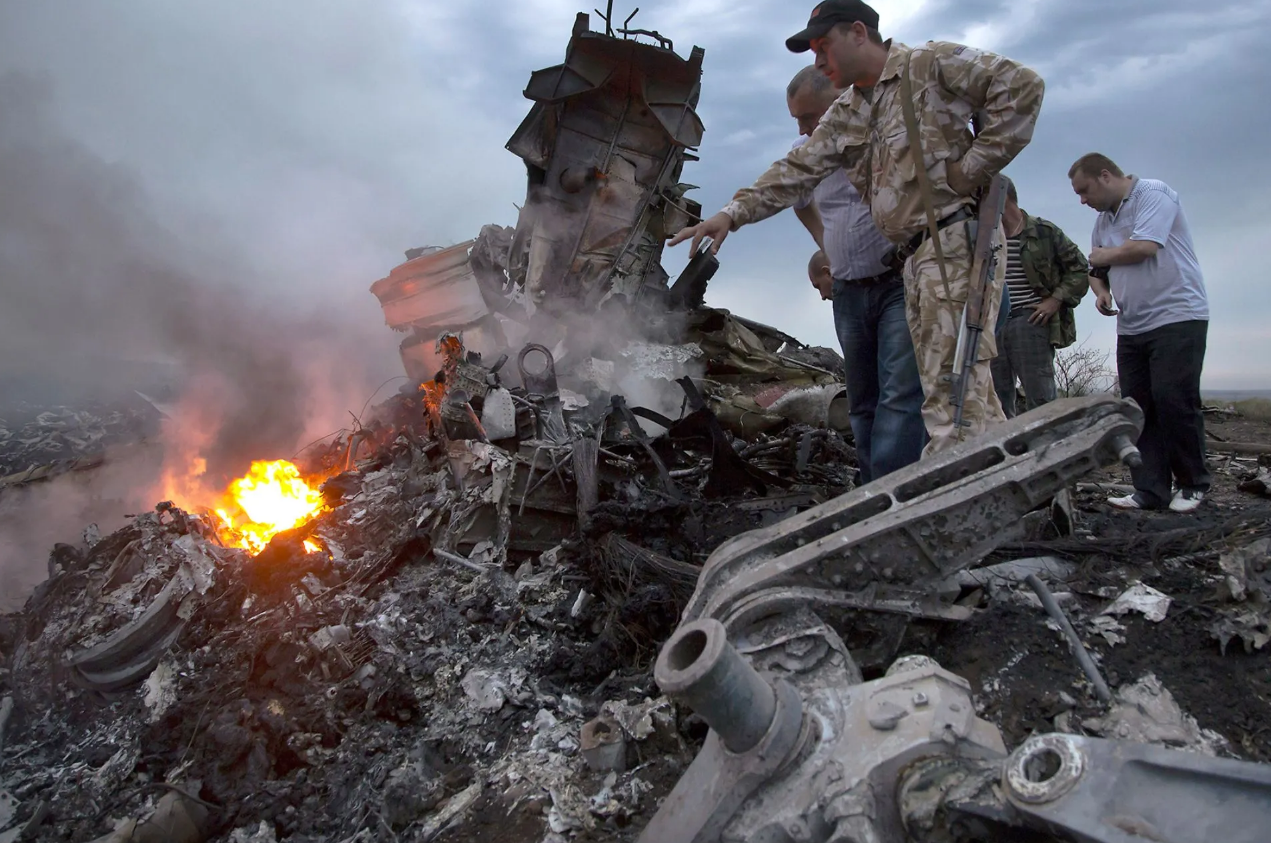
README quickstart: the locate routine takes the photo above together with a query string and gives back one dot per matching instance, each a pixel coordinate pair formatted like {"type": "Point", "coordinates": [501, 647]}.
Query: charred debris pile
{"type": "Point", "coordinates": [441, 633]}
{"type": "Point", "coordinates": [459, 644]}
{"type": "Point", "coordinates": [469, 623]}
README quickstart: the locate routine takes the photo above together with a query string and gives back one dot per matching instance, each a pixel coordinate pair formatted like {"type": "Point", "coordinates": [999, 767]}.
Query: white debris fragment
{"type": "Point", "coordinates": [263, 833]}
{"type": "Point", "coordinates": [312, 584]}
{"type": "Point", "coordinates": [1107, 627]}
{"type": "Point", "coordinates": [117, 769]}
{"type": "Point", "coordinates": [451, 811]}
{"type": "Point", "coordinates": [570, 400]}
{"type": "Point", "coordinates": [581, 602]}
{"type": "Point", "coordinates": [1141, 598]}
{"type": "Point", "coordinates": [200, 563]}
{"type": "Point", "coordinates": [640, 721]}
{"type": "Point", "coordinates": [161, 690]}
{"type": "Point", "coordinates": [651, 360]}
{"type": "Point", "coordinates": [1240, 564]}
{"type": "Point", "coordinates": [490, 690]}
{"type": "Point", "coordinates": [545, 720]}
{"type": "Point", "coordinates": [570, 811]}
{"type": "Point", "coordinates": [330, 636]}
{"type": "Point", "coordinates": [1146, 712]}
{"type": "Point", "coordinates": [604, 804]}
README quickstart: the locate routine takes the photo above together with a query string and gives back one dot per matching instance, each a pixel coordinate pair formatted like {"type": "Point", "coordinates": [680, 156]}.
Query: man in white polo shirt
{"type": "Point", "coordinates": [1143, 256]}
{"type": "Point", "coordinates": [883, 387]}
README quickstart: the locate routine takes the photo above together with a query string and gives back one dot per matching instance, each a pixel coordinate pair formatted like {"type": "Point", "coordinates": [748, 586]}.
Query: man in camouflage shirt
{"type": "Point", "coordinates": [1046, 278]}
{"type": "Point", "coordinates": [865, 133]}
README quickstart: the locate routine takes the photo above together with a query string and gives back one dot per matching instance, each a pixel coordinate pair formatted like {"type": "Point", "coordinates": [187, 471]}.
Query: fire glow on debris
{"type": "Point", "coordinates": [270, 498]}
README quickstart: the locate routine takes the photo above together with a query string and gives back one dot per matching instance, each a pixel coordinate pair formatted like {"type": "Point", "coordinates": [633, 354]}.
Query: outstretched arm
{"type": "Point", "coordinates": [785, 182]}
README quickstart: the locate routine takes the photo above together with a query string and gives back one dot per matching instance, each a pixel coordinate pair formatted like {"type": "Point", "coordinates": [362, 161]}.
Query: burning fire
{"type": "Point", "coordinates": [270, 498]}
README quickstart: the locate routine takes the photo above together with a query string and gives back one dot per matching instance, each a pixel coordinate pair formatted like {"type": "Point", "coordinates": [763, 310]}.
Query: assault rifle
{"type": "Point", "coordinates": [983, 269]}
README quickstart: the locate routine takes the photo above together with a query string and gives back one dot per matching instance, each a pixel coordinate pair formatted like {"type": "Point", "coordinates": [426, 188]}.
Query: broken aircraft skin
{"type": "Point", "coordinates": [604, 146]}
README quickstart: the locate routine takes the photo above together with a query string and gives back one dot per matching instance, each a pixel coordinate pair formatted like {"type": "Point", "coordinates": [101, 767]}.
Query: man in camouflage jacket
{"type": "Point", "coordinates": [1046, 276]}
{"type": "Point", "coordinates": [865, 133]}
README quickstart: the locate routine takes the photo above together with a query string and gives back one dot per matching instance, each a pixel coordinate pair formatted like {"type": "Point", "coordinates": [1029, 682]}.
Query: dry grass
{"type": "Point", "coordinates": [1258, 409]}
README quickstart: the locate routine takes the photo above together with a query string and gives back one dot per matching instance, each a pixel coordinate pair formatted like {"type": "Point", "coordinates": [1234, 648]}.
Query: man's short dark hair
{"type": "Point", "coordinates": [810, 78]}
{"type": "Point", "coordinates": [1011, 193]}
{"type": "Point", "coordinates": [873, 34]}
{"type": "Point", "coordinates": [1092, 164]}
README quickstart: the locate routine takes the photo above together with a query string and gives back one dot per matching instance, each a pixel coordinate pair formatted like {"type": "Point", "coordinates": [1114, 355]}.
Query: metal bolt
{"type": "Point", "coordinates": [798, 831]}
{"type": "Point", "coordinates": [920, 699]}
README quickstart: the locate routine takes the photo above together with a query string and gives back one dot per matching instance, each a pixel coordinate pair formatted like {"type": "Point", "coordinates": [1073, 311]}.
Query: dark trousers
{"type": "Point", "coordinates": [881, 377]}
{"type": "Point", "coordinates": [1024, 351]}
{"type": "Point", "coordinates": [1160, 370]}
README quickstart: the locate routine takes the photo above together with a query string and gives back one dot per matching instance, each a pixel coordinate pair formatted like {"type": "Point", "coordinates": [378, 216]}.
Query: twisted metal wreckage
{"type": "Point", "coordinates": [800, 749]}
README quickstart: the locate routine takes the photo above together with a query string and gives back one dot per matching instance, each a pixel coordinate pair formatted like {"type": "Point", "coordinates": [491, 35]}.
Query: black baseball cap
{"type": "Point", "coordinates": [825, 16]}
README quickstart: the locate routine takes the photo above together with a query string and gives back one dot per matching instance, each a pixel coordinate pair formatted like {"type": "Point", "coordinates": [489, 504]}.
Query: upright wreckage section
{"type": "Point", "coordinates": [604, 145]}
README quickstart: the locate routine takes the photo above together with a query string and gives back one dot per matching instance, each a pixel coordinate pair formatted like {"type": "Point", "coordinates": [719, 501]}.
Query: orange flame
{"type": "Point", "coordinates": [270, 498]}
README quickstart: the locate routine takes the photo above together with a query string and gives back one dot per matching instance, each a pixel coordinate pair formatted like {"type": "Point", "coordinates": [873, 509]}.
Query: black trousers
{"type": "Point", "coordinates": [1161, 371]}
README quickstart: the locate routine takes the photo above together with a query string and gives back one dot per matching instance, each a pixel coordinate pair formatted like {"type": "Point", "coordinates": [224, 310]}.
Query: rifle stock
{"type": "Point", "coordinates": [983, 268]}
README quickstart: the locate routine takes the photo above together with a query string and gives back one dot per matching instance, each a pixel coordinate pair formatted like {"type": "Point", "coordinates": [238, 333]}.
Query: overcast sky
{"type": "Point", "coordinates": [295, 148]}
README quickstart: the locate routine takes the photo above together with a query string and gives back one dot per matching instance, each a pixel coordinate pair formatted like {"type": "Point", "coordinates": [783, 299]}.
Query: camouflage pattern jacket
{"type": "Point", "coordinates": [1054, 266]}
{"type": "Point", "coordinates": [864, 133]}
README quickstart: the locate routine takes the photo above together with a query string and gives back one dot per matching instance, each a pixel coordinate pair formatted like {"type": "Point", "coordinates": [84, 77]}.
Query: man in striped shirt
{"type": "Point", "coordinates": [1046, 278]}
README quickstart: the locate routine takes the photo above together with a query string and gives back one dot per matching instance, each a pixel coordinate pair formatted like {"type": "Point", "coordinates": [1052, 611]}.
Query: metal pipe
{"type": "Point", "coordinates": [6, 711]}
{"type": "Point", "coordinates": [1078, 649]}
{"type": "Point", "coordinates": [1127, 451]}
{"type": "Point", "coordinates": [701, 669]}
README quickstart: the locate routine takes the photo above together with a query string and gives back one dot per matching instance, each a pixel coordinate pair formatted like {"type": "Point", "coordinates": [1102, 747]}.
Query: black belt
{"type": "Point", "coordinates": [884, 276]}
{"type": "Point", "coordinates": [915, 242]}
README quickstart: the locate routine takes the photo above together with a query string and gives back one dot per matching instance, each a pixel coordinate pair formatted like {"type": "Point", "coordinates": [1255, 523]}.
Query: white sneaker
{"type": "Point", "coordinates": [1131, 501]}
{"type": "Point", "coordinates": [1186, 500]}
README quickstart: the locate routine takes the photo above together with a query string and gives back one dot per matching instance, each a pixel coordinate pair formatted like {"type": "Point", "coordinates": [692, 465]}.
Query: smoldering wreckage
{"type": "Point", "coordinates": [519, 604]}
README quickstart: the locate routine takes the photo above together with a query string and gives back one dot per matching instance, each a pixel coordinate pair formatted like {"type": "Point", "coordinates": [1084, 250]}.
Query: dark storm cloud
{"type": "Point", "coordinates": [1169, 89]}
{"type": "Point", "coordinates": [314, 142]}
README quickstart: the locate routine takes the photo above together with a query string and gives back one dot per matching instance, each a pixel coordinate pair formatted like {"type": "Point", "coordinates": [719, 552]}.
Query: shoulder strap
{"type": "Point", "coordinates": [920, 165]}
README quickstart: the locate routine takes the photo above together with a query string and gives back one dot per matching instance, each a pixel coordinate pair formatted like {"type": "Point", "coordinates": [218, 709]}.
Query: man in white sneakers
{"type": "Point", "coordinates": [1142, 255]}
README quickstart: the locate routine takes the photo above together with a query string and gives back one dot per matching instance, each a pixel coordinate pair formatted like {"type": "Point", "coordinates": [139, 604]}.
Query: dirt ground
{"type": "Point", "coordinates": [1018, 665]}
{"type": "Point", "coordinates": [1022, 674]}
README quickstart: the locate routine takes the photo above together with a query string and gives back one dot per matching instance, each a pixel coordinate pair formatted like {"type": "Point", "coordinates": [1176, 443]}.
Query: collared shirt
{"type": "Point", "coordinates": [853, 244]}
{"type": "Point", "coordinates": [864, 133]}
{"type": "Point", "coordinates": [1167, 287]}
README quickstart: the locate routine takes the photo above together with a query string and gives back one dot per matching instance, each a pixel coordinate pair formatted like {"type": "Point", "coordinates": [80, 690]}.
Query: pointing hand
{"type": "Point", "coordinates": [716, 228]}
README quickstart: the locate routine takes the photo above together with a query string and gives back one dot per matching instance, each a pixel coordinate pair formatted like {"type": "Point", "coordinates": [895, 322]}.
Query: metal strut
{"type": "Point", "coordinates": [800, 749]}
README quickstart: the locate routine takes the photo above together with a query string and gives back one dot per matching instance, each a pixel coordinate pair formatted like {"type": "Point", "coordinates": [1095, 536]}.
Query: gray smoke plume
{"type": "Point", "coordinates": [98, 297]}
{"type": "Point", "coordinates": [91, 280]}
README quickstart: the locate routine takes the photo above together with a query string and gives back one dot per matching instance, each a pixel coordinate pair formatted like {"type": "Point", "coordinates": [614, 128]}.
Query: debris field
{"type": "Point", "coordinates": [455, 637]}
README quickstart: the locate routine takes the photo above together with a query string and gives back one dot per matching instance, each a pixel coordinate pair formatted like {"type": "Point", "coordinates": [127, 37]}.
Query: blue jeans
{"type": "Point", "coordinates": [882, 376]}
